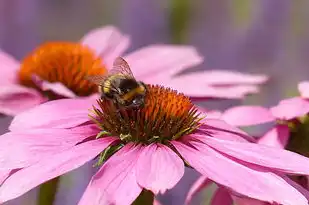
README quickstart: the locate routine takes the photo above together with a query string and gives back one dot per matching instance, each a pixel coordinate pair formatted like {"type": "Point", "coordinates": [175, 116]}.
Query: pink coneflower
{"type": "Point", "coordinates": [140, 149]}
{"type": "Point", "coordinates": [57, 70]}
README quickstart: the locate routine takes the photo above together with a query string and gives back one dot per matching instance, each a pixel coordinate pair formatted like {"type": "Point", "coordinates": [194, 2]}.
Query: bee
{"type": "Point", "coordinates": [120, 86]}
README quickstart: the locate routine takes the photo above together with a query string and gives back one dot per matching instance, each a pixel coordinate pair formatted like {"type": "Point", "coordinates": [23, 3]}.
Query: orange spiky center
{"type": "Point", "coordinates": [65, 62]}
{"type": "Point", "coordinates": [166, 115]}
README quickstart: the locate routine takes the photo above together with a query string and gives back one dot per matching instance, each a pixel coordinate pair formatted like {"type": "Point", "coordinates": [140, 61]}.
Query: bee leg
{"type": "Point", "coordinates": [117, 108]}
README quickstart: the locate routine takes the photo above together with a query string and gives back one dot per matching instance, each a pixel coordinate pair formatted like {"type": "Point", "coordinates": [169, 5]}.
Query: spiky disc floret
{"type": "Point", "coordinates": [166, 115]}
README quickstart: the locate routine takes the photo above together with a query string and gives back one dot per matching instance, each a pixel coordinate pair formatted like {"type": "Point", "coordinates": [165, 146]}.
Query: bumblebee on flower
{"type": "Point", "coordinates": [141, 150]}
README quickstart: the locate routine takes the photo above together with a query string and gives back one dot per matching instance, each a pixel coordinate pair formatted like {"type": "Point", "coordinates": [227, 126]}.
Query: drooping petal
{"type": "Point", "coordinates": [276, 137]}
{"type": "Point", "coordinates": [23, 148]}
{"type": "Point", "coordinates": [251, 182]}
{"type": "Point", "coordinates": [147, 62]}
{"type": "Point", "coordinates": [220, 129]}
{"type": "Point", "coordinates": [15, 99]}
{"type": "Point", "coordinates": [221, 197]}
{"type": "Point", "coordinates": [64, 113]}
{"type": "Point", "coordinates": [291, 108]}
{"type": "Point", "coordinates": [303, 88]}
{"type": "Point", "coordinates": [263, 155]}
{"type": "Point", "coordinates": [158, 168]}
{"type": "Point", "coordinates": [198, 186]}
{"type": "Point", "coordinates": [223, 77]}
{"type": "Point", "coordinates": [9, 68]}
{"type": "Point", "coordinates": [115, 183]}
{"type": "Point", "coordinates": [56, 165]}
{"type": "Point", "coordinates": [55, 87]}
{"type": "Point", "coordinates": [108, 42]}
{"type": "Point", "coordinates": [247, 115]}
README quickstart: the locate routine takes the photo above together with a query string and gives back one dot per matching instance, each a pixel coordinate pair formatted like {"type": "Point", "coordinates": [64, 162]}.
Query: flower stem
{"type": "Point", "coordinates": [47, 192]}
{"type": "Point", "coordinates": [145, 198]}
{"type": "Point", "coordinates": [179, 20]}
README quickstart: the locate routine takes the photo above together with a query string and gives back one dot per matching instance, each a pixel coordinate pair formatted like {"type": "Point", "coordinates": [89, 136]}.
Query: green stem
{"type": "Point", "coordinates": [145, 198]}
{"type": "Point", "coordinates": [47, 192]}
{"type": "Point", "coordinates": [179, 20]}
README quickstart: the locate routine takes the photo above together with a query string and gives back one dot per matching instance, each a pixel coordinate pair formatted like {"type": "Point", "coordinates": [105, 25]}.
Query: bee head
{"type": "Point", "coordinates": [138, 101]}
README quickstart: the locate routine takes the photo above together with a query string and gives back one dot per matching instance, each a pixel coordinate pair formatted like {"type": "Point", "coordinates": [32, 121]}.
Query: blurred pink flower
{"type": "Point", "coordinates": [287, 110]}
{"type": "Point", "coordinates": [105, 44]}
{"type": "Point", "coordinates": [50, 140]}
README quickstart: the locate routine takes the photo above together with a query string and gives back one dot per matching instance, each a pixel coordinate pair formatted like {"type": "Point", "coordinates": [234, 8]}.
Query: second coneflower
{"type": "Point", "coordinates": [56, 70]}
{"type": "Point", "coordinates": [142, 152]}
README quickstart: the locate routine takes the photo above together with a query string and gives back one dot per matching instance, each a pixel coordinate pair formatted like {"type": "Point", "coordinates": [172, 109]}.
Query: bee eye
{"type": "Point", "coordinates": [138, 101]}
{"type": "Point", "coordinates": [135, 101]}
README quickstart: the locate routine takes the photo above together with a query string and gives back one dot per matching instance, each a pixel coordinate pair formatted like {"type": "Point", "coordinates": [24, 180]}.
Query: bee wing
{"type": "Point", "coordinates": [99, 79]}
{"type": "Point", "coordinates": [121, 66]}
{"type": "Point", "coordinates": [96, 79]}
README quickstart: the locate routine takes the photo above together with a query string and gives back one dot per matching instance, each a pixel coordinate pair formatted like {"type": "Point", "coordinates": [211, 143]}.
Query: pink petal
{"type": "Point", "coordinates": [115, 183]}
{"type": "Point", "coordinates": [9, 69]}
{"type": "Point", "coordinates": [221, 197]}
{"type": "Point", "coordinates": [64, 113]}
{"type": "Point", "coordinates": [3, 175]}
{"type": "Point", "coordinates": [55, 165]}
{"type": "Point", "coordinates": [254, 183]}
{"type": "Point", "coordinates": [198, 89]}
{"type": "Point", "coordinates": [223, 77]}
{"type": "Point", "coordinates": [211, 114]}
{"type": "Point", "coordinates": [303, 88]}
{"type": "Point", "coordinates": [15, 99]}
{"type": "Point", "coordinates": [276, 137]}
{"type": "Point", "coordinates": [261, 155]}
{"type": "Point", "coordinates": [247, 115]}
{"type": "Point", "coordinates": [291, 108]}
{"type": "Point", "coordinates": [297, 186]}
{"type": "Point", "coordinates": [148, 61]}
{"type": "Point", "coordinates": [158, 168]}
{"type": "Point", "coordinates": [108, 42]}
{"type": "Point", "coordinates": [198, 186]}
{"type": "Point", "coordinates": [30, 146]}
{"type": "Point", "coordinates": [220, 129]}
{"type": "Point", "coordinates": [57, 87]}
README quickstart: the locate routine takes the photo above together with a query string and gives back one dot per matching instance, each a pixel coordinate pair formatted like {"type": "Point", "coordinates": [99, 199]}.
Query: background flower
{"type": "Point", "coordinates": [53, 67]}
{"type": "Point", "coordinates": [50, 71]}
{"type": "Point", "coordinates": [288, 115]}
